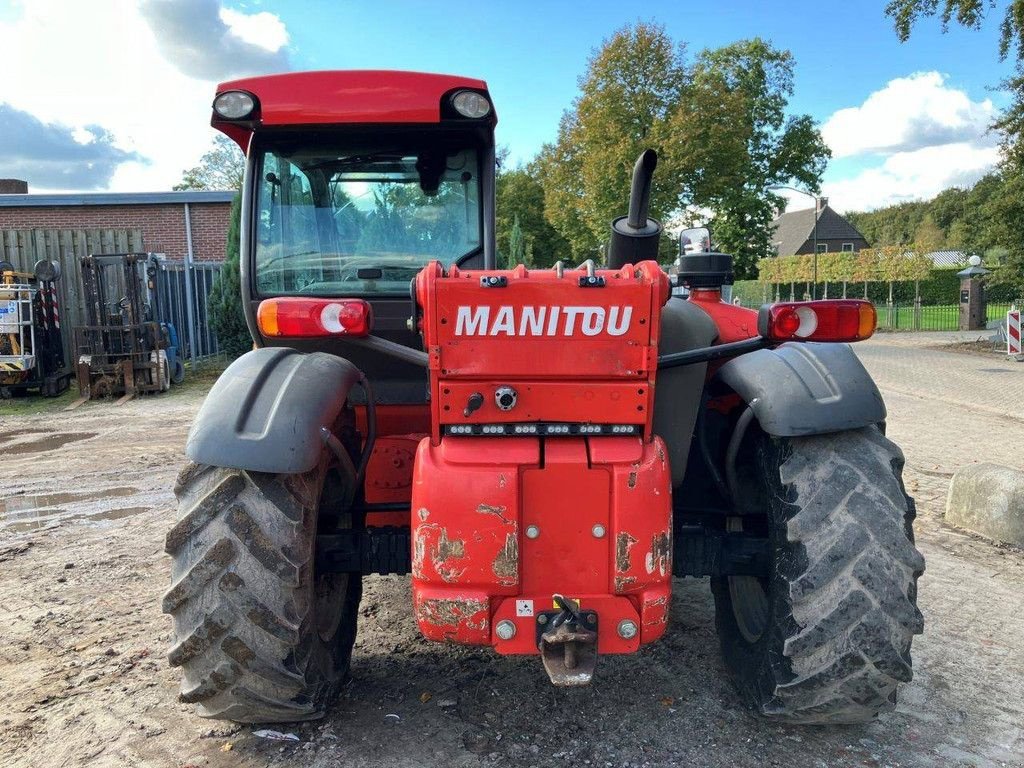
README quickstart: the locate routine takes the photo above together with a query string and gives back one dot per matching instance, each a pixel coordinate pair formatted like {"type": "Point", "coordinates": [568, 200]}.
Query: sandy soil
{"type": "Point", "coordinates": [85, 502]}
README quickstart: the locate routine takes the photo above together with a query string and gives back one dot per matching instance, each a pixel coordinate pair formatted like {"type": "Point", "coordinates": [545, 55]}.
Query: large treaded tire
{"type": "Point", "coordinates": [839, 610]}
{"type": "Point", "coordinates": [258, 635]}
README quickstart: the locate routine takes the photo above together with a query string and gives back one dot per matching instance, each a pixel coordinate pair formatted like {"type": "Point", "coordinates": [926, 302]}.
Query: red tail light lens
{"type": "Point", "coordinates": [829, 320]}
{"type": "Point", "coordinates": [297, 317]}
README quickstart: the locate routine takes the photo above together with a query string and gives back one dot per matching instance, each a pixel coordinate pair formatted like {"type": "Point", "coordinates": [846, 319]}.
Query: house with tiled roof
{"type": "Point", "coordinates": [795, 232]}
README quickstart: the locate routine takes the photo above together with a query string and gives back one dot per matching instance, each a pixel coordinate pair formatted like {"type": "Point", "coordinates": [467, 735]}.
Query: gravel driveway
{"type": "Point", "coordinates": [85, 502]}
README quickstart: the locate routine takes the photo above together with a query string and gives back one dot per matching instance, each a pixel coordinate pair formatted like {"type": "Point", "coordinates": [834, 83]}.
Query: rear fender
{"type": "Point", "coordinates": [265, 412]}
{"type": "Point", "coordinates": [805, 389]}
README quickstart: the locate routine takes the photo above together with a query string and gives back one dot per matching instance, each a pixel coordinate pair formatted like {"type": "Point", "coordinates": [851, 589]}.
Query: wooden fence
{"type": "Point", "coordinates": [24, 247]}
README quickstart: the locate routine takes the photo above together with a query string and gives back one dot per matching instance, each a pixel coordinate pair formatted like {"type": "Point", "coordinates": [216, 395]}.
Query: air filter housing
{"type": "Point", "coordinates": [705, 270]}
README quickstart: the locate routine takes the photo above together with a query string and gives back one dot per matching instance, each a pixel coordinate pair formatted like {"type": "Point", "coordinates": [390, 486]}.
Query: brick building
{"type": "Point", "coordinates": [160, 215]}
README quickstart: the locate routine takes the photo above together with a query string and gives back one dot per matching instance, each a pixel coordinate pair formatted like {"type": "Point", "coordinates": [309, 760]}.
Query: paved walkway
{"type": "Point", "coordinates": [948, 408]}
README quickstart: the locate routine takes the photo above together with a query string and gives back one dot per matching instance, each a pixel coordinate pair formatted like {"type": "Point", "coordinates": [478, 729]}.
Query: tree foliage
{"type": "Point", "coordinates": [633, 86]}
{"type": "Point", "coordinates": [983, 219]}
{"type": "Point", "coordinates": [890, 264]}
{"type": "Point", "coordinates": [967, 13]}
{"type": "Point", "coordinates": [225, 301]}
{"type": "Point", "coordinates": [221, 167]}
{"type": "Point", "coordinates": [719, 126]}
{"type": "Point", "coordinates": [776, 149]}
{"type": "Point", "coordinates": [520, 198]}
{"type": "Point", "coordinates": [996, 201]}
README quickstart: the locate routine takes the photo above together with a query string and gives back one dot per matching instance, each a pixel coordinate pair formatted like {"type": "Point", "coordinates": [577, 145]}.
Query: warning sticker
{"type": "Point", "coordinates": [524, 607]}
{"type": "Point", "coordinates": [574, 600]}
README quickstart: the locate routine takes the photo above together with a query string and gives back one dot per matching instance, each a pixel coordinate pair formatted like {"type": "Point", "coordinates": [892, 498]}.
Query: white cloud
{"type": "Point", "coordinates": [909, 113]}
{"type": "Point", "coordinates": [205, 42]}
{"type": "Point", "coordinates": [261, 29]}
{"type": "Point", "coordinates": [99, 68]}
{"type": "Point", "coordinates": [917, 175]}
{"type": "Point", "coordinates": [915, 137]}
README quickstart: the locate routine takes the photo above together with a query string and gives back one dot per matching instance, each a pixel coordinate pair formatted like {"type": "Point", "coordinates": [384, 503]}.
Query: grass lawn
{"type": "Point", "coordinates": [944, 317]}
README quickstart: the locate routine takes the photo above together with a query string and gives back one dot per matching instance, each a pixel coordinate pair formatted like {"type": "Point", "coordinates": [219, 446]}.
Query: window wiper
{"type": "Point", "coordinates": [284, 256]}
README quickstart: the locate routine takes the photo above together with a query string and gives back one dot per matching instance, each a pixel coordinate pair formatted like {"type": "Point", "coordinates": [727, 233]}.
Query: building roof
{"type": "Point", "coordinates": [795, 228]}
{"type": "Point", "coordinates": [115, 198]}
{"type": "Point", "coordinates": [948, 258]}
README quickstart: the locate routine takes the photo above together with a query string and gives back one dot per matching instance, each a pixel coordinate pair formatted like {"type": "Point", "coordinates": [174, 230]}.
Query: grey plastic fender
{"type": "Point", "coordinates": [805, 389]}
{"type": "Point", "coordinates": [265, 412]}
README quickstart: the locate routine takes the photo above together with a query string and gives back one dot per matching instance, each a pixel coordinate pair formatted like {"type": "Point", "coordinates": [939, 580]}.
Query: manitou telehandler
{"type": "Point", "coordinates": [543, 450]}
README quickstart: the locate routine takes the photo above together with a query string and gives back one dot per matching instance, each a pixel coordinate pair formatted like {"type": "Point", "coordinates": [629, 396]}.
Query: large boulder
{"type": "Point", "coordinates": [988, 499]}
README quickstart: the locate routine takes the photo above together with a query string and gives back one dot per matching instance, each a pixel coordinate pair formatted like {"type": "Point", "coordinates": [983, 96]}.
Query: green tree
{"type": "Point", "coordinates": [520, 250]}
{"type": "Point", "coordinates": [929, 236]}
{"type": "Point", "coordinates": [999, 215]}
{"type": "Point", "coordinates": [222, 167]}
{"type": "Point", "coordinates": [719, 126]}
{"type": "Point", "coordinates": [225, 301]}
{"type": "Point", "coordinates": [629, 93]}
{"type": "Point", "coordinates": [520, 197]}
{"type": "Point", "coordinates": [776, 149]}
{"type": "Point", "coordinates": [968, 13]}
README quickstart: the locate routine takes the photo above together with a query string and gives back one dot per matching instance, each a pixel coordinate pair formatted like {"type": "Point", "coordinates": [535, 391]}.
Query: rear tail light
{"type": "Point", "coordinates": [295, 316]}
{"type": "Point", "coordinates": [829, 320]}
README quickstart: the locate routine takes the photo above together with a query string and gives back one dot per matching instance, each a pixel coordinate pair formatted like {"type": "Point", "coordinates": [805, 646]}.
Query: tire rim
{"type": "Point", "coordinates": [750, 607]}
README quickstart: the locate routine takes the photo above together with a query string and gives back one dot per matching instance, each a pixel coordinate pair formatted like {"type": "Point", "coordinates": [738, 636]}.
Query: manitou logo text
{"type": "Point", "coordinates": [542, 321]}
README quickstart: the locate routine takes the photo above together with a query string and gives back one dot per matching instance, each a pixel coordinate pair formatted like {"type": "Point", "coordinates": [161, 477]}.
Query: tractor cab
{"type": "Point", "coordinates": [354, 196]}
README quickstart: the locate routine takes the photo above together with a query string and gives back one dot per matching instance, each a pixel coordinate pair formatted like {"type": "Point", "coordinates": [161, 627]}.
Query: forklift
{"type": "Point", "coordinates": [124, 348]}
{"type": "Point", "coordinates": [31, 344]}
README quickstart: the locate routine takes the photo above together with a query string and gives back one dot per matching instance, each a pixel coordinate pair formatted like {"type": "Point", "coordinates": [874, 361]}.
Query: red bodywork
{"type": "Point", "coordinates": [601, 505]}
{"type": "Point", "coordinates": [349, 97]}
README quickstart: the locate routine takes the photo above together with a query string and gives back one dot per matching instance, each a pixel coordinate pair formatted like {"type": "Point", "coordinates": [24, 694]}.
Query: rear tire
{"type": "Point", "coordinates": [260, 637]}
{"type": "Point", "coordinates": [826, 637]}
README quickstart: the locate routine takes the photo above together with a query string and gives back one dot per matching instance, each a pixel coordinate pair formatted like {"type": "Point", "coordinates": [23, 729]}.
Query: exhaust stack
{"type": "Point", "coordinates": [635, 237]}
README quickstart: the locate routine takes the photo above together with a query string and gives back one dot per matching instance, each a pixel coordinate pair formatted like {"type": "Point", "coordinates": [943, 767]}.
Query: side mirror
{"type": "Point", "coordinates": [695, 240]}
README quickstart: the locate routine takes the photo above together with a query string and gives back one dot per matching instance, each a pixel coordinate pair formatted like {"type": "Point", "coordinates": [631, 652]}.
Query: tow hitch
{"type": "Point", "coordinates": [568, 643]}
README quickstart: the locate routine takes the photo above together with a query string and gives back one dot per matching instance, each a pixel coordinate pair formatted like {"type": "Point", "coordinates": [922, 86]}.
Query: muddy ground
{"type": "Point", "coordinates": [85, 502]}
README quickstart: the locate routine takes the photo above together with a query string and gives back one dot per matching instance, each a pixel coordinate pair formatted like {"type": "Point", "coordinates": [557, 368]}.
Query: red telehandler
{"type": "Point", "coordinates": [543, 450]}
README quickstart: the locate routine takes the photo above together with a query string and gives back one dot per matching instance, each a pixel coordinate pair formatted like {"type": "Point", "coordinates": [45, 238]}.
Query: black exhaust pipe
{"type": "Point", "coordinates": [635, 237]}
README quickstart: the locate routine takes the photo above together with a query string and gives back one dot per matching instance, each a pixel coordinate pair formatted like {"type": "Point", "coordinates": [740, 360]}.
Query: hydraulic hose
{"type": "Point", "coordinates": [371, 430]}
{"type": "Point", "coordinates": [733, 450]}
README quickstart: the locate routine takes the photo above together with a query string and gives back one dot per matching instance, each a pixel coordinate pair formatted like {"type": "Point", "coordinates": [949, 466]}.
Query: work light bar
{"type": "Point", "coordinates": [540, 429]}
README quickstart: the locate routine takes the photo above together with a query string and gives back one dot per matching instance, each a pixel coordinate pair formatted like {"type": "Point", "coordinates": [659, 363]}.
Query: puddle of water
{"type": "Point", "coordinates": [53, 516]}
{"type": "Point", "coordinates": [116, 514]}
{"type": "Point", "coordinates": [14, 507]}
{"type": "Point", "coordinates": [50, 443]}
{"type": "Point", "coordinates": [8, 436]}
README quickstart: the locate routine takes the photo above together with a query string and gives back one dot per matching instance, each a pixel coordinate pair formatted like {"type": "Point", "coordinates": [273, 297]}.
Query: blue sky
{"type": "Point", "coordinates": [532, 54]}
{"type": "Point", "coordinates": [913, 122]}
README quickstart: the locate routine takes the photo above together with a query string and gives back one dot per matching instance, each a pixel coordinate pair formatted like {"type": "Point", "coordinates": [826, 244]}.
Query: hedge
{"type": "Point", "coordinates": [942, 287]}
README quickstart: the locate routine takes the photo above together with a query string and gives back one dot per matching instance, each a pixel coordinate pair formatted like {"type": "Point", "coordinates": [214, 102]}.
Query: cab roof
{"type": "Point", "coordinates": [342, 97]}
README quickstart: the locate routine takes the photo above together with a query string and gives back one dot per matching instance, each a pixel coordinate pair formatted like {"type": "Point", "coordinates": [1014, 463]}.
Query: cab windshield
{"type": "Point", "coordinates": [344, 222]}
